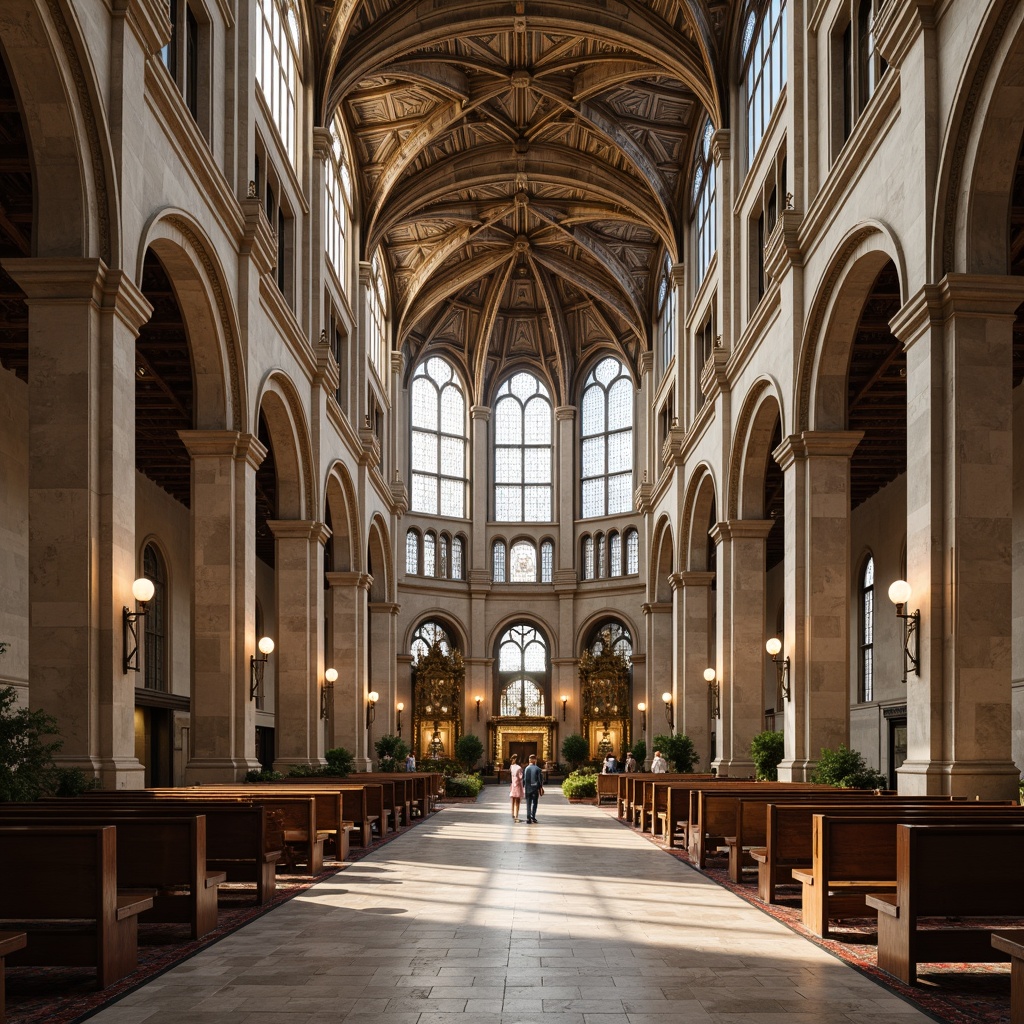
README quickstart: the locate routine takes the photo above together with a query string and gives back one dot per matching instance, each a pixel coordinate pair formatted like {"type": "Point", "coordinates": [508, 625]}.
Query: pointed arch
{"type": "Point", "coordinates": [341, 498]}
{"type": "Point", "coordinates": [701, 498]}
{"type": "Point", "coordinates": [380, 561]}
{"type": "Point", "coordinates": [662, 563]}
{"type": "Point", "coordinates": [752, 447]}
{"type": "Point", "coordinates": [280, 404]}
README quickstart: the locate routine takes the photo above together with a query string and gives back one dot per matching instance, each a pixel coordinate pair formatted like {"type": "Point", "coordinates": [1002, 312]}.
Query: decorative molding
{"type": "Point", "coordinates": [643, 498]}
{"type": "Point", "coordinates": [148, 20]}
{"type": "Point", "coordinates": [782, 249]}
{"type": "Point", "coordinates": [259, 239]}
{"type": "Point", "coordinates": [898, 25]}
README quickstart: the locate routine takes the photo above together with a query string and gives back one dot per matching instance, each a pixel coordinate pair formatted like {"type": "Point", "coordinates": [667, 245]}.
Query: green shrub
{"type": "Point", "coordinates": [678, 750]}
{"type": "Point", "coordinates": [463, 785]}
{"type": "Point", "coordinates": [391, 752]}
{"type": "Point", "coordinates": [27, 771]}
{"type": "Point", "coordinates": [74, 782]}
{"type": "Point", "coordinates": [575, 750]}
{"type": "Point", "coordinates": [767, 750]}
{"type": "Point", "coordinates": [847, 769]}
{"type": "Point", "coordinates": [447, 766]}
{"type": "Point", "coordinates": [339, 762]}
{"type": "Point", "coordinates": [259, 775]}
{"type": "Point", "coordinates": [469, 750]}
{"type": "Point", "coordinates": [640, 753]}
{"type": "Point", "coordinates": [306, 771]}
{"type": "Point", "coordinates": [580, 784]}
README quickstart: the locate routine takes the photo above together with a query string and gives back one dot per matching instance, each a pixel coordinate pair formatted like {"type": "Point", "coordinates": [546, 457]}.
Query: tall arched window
{"type": "Point", "coordinates": [615, 553]}
{"type": "Point", "coordinates": [277, 60]}
{"type": "Point", "coordinates": [588, 558]}
{"type": "Point", "coordinates": [457, 558]}
{"type": "Point", "coordinates": [547, 561]}
{"type": "Point", "coordinates": [338, 187]}
{"type": "Point", "coordinates": [429, 555]}
{"type": "Point", "coordinates": [599, 550]}
{"type": "Point", "coordinates": [522, 562]}
{"type": "Point", "coordinates": [438, 416]}
{"type": "Point", "coordinates": [764, 66]}
{"type": "Point", "coordinates": [377, 312]}
{"type": "Point", "coordinates": [156, 619]}
{"type": "Point", "coordinates": [667, 306]}
{"type": "Point", "coordinates": [614, 633]}
{"type": "Point", "coordinates": [498, 562]}
{"type": "Point", "coordinates": [428, 633]}
{"type": "Point", "coordinates": [442, 556]}
{"type": "Point", "coordinates": [632, 552]}
{"type": "Point", "coordinates": [522, 451]}
{"type": "Point", "coordinates": [412, 553]}
{"type": "Point", "coordinates": [867, 630]}
{"type": "Point", "coordinates": [703, 206]}
{"type": "Point", "coordinates": [522, 671]}
{"type": "Point", "coordinates": [606, 430]}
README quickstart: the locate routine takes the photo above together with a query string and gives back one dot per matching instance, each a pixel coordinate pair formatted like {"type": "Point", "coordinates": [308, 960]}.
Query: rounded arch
{"type": "Point", "coordinates": [832, 324]}
{"type": "Point", "coordinates": [339, 496]}
{"type": "Point", "coordinates": [199, 281]}
{"type": "Point", "coordinates": [525, 619]}
{"type": "Point", "coordinates": [286, 422]}
{"type": "Point", "coordinates": [701, 499]}
{"type": "Point", "coordinates": [76, 193]}
{"type": "Point", "coordinates": [662, 563]}
{"type": "Point", "coordinates": [979, 151]}
{"type": "Point", "coordinates": [752, 447]}
{"type": "Point", "coordinates": [591, 622]}
{"type": "Point", "coordinates": [452, 624]}
{"type": "Point", "coordinates": [379, 562]}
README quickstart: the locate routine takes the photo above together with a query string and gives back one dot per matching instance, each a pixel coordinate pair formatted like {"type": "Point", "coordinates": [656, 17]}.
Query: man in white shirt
{"type": "Point", "coordinates": [659, 764]}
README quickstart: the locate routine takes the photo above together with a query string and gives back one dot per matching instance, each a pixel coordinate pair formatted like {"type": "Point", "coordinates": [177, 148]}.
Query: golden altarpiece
{"type": "Point", "coordinates": [605, 698]}
{"type": "Point", "coordinates": [438, 678]}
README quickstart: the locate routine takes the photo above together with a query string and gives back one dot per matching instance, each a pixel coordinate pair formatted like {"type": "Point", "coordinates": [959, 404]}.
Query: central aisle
{"type": "Point", "coordinates": [471, 919]}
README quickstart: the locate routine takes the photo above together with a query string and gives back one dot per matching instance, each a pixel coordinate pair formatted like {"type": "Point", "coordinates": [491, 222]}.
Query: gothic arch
{"type": "Point", "coordinates": [525, 618]}
{"type": "Point", "coordinates": [832, 323]}
{"type": "Point", "coordinates": [701, 497]}
{"type": "Point", "coordinates": [340, 496]}
{"type": "Point", "coordinates": [662, 563]}
{"type": "Point", "coordinates": [280, 403]}
{"type": "Point", "coordinates": [751, 450]}
{"type": "Point", "coordinates": [381, 563]}
{"type": "Point", "coordinates": [593, 620]}
{"type": "Point", "coordinates": [444, 617]}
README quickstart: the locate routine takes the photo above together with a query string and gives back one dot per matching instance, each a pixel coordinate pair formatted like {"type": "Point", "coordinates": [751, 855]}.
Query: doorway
{"type": "Point", "coordinates": [897, 748]}
{"type": "Point", "coordinates": [524, 750]}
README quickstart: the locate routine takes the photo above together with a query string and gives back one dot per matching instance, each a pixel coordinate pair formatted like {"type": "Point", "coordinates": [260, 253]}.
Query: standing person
{"type": "Point", "coordinates": [410, 762]}
{"type": "Point", "coordinates": [516, 788]}
{"type": "Point", "coordinates": [610, 764]}
{"type": "Point", "coordinates": [533, 783]}
{"type": "Point", "coordinates": [630, 762]}
{"type": "Point", "coordinates": [659, 764]}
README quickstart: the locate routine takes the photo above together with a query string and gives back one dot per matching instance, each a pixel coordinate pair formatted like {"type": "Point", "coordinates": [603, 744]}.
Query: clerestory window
{"type": "Point", "coordinates": [703, 206]}
{"type": "Point", "coordinates": [439, 440]}
{"type": "Point", "coordinates": [338, 208]}
{"type": "Point", "coordinates": [606, 432]}
{"type": "Point", "coordinates": [523, 451]}
{"type": "Point", "coordinates": [764, 67]}
{"type": "Point", "coordinates": [277, 61]}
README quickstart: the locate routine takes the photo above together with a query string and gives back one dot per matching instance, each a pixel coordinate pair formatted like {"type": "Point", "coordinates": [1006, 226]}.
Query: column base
{"type": "Point", "coordinates": [734, 769]}
{"type": "Point", "coordinates": [120, 773]}
{"type": "Point", "coordinates": [202, 770]}
{"type": "Point", "coordinates": [362, 764]}
{"type": "Point", "coordinates": [984, 780]}
{"type": "Point", "coordinates": [796, 770]}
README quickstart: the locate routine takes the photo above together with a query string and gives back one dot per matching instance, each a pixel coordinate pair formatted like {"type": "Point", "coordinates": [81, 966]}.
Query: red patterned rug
{"type": "Point", "coordinates": [66, 995]}
{"type": "Point", "coordinates": [951, 993]}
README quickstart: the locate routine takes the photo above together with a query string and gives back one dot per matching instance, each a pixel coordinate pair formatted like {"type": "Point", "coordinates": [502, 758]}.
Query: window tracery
{"type": "Point", "coordinates": [277, 45]}
{"type": "Point", "coordinates": [522, 671]}
{"type": "Point", "coordinates": [606, 430]}
{"type": "Point", "coordinates": [705, 240]}
{"type": "Point", "coordinates": [439, 440]}
{"type": "Point", "coordinates": [522, 451]}
{"type": "Point", "coordinates": [764, 67]}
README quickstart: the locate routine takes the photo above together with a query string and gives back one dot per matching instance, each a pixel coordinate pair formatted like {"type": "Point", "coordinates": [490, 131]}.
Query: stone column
{"type": "Point", "coordinates": [694, 647]}
{"type": "Point", "coordinates": [565, 487]}
{"type": "Point", "coordinates": [958, 336]}
{"type": "Point", "coordinates": [83, 322]}
{"type": "Point", "coordinates": [298, 571]}
{"type": "Point", "coordinates": [816, 468]}
{"type": "Point", "coordinates": [658, 627]}
{"type": "Point", "coordinates": [382, 674]}
{"type": "Point", "coordinates": [479, 559]}
{"type": "Point", "coordinates": [223, 719]}
{"type": "Point", "coordinates": [348, 618]}
{"type": "Point", "coordinates": [740, 641]}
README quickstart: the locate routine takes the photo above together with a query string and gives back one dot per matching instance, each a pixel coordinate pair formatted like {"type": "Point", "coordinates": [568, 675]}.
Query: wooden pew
{"type": "Point", "coordinates": [962, 870]}
{"type": "Point", "coordinates": [164, 854]}
{"type": "Point", "coordinates": [1014, 948]}
{"type": "Point", "coordinates": [60, 888]}
{"type": "Point", "coordinates": [608, 787]}
{"type": "Point", "coordinates": [10, 942]}
{"type": "Point", "coordinates": [238, 838]}
{"type": "Point", "coordinates": [856, 856]}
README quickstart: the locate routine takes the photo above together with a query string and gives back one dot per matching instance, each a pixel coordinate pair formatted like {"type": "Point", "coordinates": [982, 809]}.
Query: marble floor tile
{"type": "Point", "coordinates": [469, 919]}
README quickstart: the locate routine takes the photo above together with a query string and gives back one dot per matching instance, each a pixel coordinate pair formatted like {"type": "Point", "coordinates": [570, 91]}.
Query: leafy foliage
{"type": "Point", "coordinates": [463, 785]}
{"type": "Point", "coordinates": [640, 752]}
{"type": "Point", "coordinates": [575, 750]}
{"type": "Point", "coordinates": [391, 753]}
{"type": "Point", "coordinates": [678, 750]}
{"type": "Point", "coordinates": [447, 766]}
{"type": "Point", "coordinates": [74, 782]}
{"type": "Point", "coordinates": [469, 750]}
{"type": "Point", "coordinates": [767, 750]}
{"type": "Point", "coordinates": [580, 785]}
{"type": "Point", "coordinates": [339, 761]}
{"type": "Point", "coordinates": [846, 768]}
{"type": "Point", "coordinates": [261, 775]}
{"type": "Point", "coordinates": [27, 771]}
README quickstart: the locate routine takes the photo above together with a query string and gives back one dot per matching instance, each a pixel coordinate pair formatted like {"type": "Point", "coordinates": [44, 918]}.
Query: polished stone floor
{"type": "Point", "coordinates": [471, 919]}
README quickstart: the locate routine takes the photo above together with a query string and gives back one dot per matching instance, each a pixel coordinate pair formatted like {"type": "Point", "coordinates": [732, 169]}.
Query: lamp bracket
{"type": "Point", "coordinates": [130, 639]}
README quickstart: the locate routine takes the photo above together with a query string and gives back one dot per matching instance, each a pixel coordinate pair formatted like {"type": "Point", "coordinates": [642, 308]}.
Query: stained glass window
{"type": "Point", "coordinates": [667, 306]}
{"type": "Point", "coordinates": [703, 206]}
{"type": "Point", "coordinates": [522, 697]}
{"type": "Point", "coordinates": [412, 553]}
{"type": "Point", "coordinates": [277, 42]}
{"type": "Point", "coordinates": [156, 620]}
{"type": "Point", "coordinates": [615, 554]}
{"type": "Point", "coordinates": [588, 558]}
{"type": "Point", "coordinates": [439, 440]}
{"type": "Point", "coordinates": [338, 208]}
{"type": "Point", "coordinates": [547, 561]}
{"type": "Point", "coordinates": [614, 633]}
{"type": "Point", "coordinates": [442, 557]}
{"type": "Point", "coordinates": [376, 325]}
{"type": "Point", "coordinates": [522, 563]}
{"type": "Point", "coordinates": [522, 451]}
{"type": "Point", "coordinates": [599, 551]}
{"type": "Point", "coordinates": [632, 552]}
{"type": "Point", "coordinates": [867, 631]}
{"type": "Point", "coordinates": [498, 561]}
{"type": "Point", "coordinates": [457, 558]}
{"type": "Point", "coordinates": [606, 429]}
{"type": "Point", "coordinates": [764, 57]}
{"type": "Point", "coordinates": [522, 671]}
{"type": "Point", "coordinates": [429, 551]}
{"type": "Point", "coordinates": [427, 633]}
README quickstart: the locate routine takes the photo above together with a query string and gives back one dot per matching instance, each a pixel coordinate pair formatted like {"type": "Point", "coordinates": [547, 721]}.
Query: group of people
{"type": "Point", "coordinates": [526, 782]}
{"type": "Point", "coordinates": [658, 764]}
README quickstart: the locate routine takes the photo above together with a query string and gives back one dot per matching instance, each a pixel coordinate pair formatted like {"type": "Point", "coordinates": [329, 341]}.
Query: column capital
{"type": "Point", "coordinates": [721, 141]}
{"type": "Point", "coordinates": [397, 362]}
{"type": "Point", "coordinates": [480, 412]}
{"type": "Point", "coordinates": [741, 529]}
{"type": "Point", "coordinates": [817, 444]}
{"type": "Point", "coordinates": [678, 274]}
{"type": "Point", "coordinates": [646, 363]}
{"type": "Point", "coordinates": [691, 578]}
{"type": "Point", "coordinates": [389, 607]}
{"type": "Point", "coordinates": [348, 578]}
{"type": "Point", "coordinates": [988, 295]}
{"type": "Point", "coordinates": [322, 142]}
{"type": "Point", "coordinates": [221, 444]}
{"type": "Point", "coordinates": [656, 608]}
{"type": "Point", "coordinates": [294, 529]}
{"type": "Point", "coordinates": [565, 413]}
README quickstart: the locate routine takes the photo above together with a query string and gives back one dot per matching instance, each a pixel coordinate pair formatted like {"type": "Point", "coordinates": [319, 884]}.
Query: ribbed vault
{"type": "Point", "coordinates": [523, 165]}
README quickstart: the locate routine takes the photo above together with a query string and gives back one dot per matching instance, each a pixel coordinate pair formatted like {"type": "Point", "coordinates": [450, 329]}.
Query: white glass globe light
{"type": "Point", "coordinates": [374, 696]}
{"type": "Point", "coordinates": [899, 592]}
{"type": "Point", "coordinates": [709, 675]}
{"type": "Point", "coordinates": [266, 645]}
{"type": "Point", "coordinates": [331, 675]}
{"type": "Point", "coordinates": [773, 646]}
{"type": "Point", "coordinates": [667, 697]}
{"type": "Point", "coordinates": [143, 590]}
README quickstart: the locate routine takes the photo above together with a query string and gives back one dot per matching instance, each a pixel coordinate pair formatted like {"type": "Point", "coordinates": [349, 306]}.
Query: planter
{"type": "Point", "coordinates": [458, 800]}
{"type": "Point", "coordinates": [582, 800]}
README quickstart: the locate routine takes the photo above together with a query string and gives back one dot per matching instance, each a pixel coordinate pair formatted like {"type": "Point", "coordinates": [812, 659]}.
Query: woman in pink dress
{"type": "Point", "coordinates": [515, 791]}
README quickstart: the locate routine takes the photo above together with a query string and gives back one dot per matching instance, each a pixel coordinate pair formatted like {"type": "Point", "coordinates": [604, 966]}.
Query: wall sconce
{"type": "Point", "coordinates": [667, 698]}
{"type": "Point", "coordinates": [399, 707]}
{"type": "Point", "coordinates": [899, 594]}
{"type": "Point", "coordinates": [257, 664]}
{"type": "Point", "coordinates": [142, 591]}
{"type": "Point", "coordinates": [642, 708]}
{"type": "Point", "coordinates": [331, 677]}
{"type": "Point", "coordinates": [371, 707]}
{"type": "Point", "coordinates": [773, 647]}
{"type": "Point", "coordinates": [479, 701]}
{"type": "Point", "coordinates": [714, 692]}
{"type": "Point", "coordinates": [565, 700]}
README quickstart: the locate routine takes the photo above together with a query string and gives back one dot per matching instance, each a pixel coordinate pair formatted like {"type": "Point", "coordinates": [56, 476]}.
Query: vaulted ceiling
{"type": "Point", "coordinates": [523, 165]}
